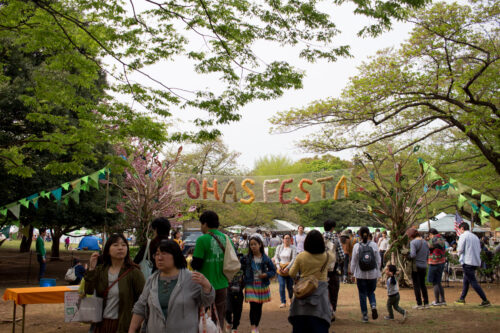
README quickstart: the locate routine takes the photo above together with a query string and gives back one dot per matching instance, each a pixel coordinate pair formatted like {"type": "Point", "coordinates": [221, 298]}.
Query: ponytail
{"type": "Point", "coordinates": [364, 233]}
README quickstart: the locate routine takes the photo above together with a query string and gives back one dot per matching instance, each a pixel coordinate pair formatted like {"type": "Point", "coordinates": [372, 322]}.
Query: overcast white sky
{"type": "Point", "coordinates": [250, 136]}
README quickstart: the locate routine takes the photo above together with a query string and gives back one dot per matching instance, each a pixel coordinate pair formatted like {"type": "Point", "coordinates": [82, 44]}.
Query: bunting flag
{"type": "Point", "coordinates": [474, 192]}
{"type": "Point", "coordinates": [486, 208]}
{"type": "Point", "coordinates": [76, 186]}
{"type": "Point", "coordinates": [485, 198]}
{"type": "Point", "coordinates": [494, 223]}
{"type": "Point", "coordinates": [14, 209]}
{"type": "Point", "coordinates": [496, 214]}
{"type": "Point", "coordinates": [474, 207]}
{"type": "Point", "coordinates": [461, 200]}
{"type": "Point", "coordinates": [57, 193]}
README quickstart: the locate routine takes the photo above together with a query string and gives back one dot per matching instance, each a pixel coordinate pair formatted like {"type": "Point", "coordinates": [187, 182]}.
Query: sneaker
{"type": "Point", "coordinates": [418, 307]}
{"type": "Point", "coordinates": [443, 303]}
{"type": "Point", "coordinates": [427, 306]}
{"type": "Point", "coordinates": [485, 304]}
{"type": "Point", "coordinates": [405, 315]}
{"type": "Point", "coordinates": [228, 328]}
{"type": "Point", "coordinates": [460, 301]}
{"type": "Point", "coordinates": [333, 316]}
{"type": "Point", "coordinates": [282, 305]}
{"type": "Point", "coordinates": [374, 313]}
{"type": "Point", "coordinates": [365, 318]}
{"type": "Point", "coordinates": [388, 318]}
{"type": "Point", "coordinates": [435, 303]}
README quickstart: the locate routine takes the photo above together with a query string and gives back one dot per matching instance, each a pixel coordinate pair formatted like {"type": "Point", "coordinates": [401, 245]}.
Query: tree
{"type": "Point", "coordinates": [147, 188]}
{"type": "Point", "coordinates": [76, 35]}
{"type": "Point", "coordinates": [211, 157]}
{"type": "Point", "coordinates": [399, 195]}
{"type": "Point", "coordinates": [444, 79]}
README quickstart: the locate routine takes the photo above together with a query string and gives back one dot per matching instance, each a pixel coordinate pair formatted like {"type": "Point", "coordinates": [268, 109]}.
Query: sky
{"type": "Point", "coordinates": [250, 136]}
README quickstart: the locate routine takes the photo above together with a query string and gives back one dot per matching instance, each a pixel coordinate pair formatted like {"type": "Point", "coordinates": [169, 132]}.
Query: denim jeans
{"type": "Point", "coordinates": [285, 282]}
{"type": "Point", "coordinates": [366, 288]}
{"type": "Point", "coordinates": [470, 279]}
{"type": "Point", "coordinates": [346, 266]}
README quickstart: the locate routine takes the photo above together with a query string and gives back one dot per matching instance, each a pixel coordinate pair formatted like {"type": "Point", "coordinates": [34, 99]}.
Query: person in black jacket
{"type": "Point", "coordinates": [161, 230]}
{"type": "Point", "coordinates": [234, 303]}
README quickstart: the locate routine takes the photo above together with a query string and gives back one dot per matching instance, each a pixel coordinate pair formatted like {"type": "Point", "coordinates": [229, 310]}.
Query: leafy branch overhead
{"type": "Point", "coordinates": [88, 45]}
{"type": "Point", "coordinates": [443, 79]}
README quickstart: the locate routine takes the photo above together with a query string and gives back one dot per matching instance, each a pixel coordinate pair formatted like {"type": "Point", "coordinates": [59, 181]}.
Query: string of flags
{"type": "Point", "coordinates": [454, 187]}
{"type": "Point", "coordinates": [72, 189]}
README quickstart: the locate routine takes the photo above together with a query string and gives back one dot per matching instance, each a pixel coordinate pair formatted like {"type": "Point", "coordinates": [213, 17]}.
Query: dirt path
{"type": "Point", "coordinates": [48, 318]}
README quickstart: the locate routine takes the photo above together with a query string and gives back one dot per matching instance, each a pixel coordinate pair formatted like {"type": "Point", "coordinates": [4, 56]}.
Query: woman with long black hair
{"type": "Point", "coordinates": [365, 266]}
{"type": "Point", "coordinates": [259, 270]}
{"type": "Point", "coordinates": [118, 281]}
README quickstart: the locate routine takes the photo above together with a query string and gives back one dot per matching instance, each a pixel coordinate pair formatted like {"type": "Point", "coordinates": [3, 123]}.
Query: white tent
{"type": "Point", "coordinates": [280, 225]}
{"type": "Point", "coordinates": [445, 223]}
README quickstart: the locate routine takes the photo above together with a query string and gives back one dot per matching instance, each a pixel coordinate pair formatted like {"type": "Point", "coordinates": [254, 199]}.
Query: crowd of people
{"type": "Point", "coordinates": [173, 292]}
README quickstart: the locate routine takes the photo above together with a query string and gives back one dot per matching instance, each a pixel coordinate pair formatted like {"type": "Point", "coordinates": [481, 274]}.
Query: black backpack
{"type": "Point", "coordinates": [367, 260]}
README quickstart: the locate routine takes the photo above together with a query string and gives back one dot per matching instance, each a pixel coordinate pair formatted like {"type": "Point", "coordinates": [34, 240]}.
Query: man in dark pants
{"type": "Point", "coordinates": [208, 259]}
{"type": "Point", "coordinates": [235, 298]}
{"type": "Point", "coordinates": [332, 243]}
{"type": "Point", "coordinates": [40, 252]}
{"type": "Point", "coordinates": [469, 249]}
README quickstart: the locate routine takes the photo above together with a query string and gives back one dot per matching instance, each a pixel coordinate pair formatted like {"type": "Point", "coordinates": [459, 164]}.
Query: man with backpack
{"type": "Point", "coordinates": [365, 266]}
{"type": "Point", "coordinates": [332, 244]}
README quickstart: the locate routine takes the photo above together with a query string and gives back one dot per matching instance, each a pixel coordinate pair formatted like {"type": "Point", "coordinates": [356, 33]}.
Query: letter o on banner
{"type": "Point", "coordinates": [188, 188]}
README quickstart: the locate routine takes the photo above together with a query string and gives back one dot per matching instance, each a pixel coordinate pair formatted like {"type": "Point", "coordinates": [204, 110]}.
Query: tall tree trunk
{"type": "Point", "coordinates": [26, 242]}
{"type": "Point", "coordinates": [56, 236]}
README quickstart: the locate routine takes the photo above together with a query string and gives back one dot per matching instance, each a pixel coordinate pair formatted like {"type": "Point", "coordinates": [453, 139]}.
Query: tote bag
{"type": "Point", "coordinates": [89, 310]}
{"type": "Point", "coordinates": [146, 264]}
{"type": "Point", "coordinates": [231, 263]}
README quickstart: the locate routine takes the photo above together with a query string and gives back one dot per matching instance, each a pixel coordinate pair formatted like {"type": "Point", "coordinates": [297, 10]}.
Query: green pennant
{"type": "Point", "coordinates": [498, 203]}
{"type": "Point", "coordinates": [474, 207]}
{"type": "Point", "coordinates": [4, 211]}
{"type": "Point", "coordinates": [461, 200]}
{"type": "Point", "coordinates": [496, 214]}
{"type": "Point", "coordinates": [102, 171]}
{"type": "Point", "coordinates": [66, 201]}
{"type": "Point", "coordinates": [95, 179]}
{"type": "Point", "coordinates": [25, 202]}
{"type": "Point", "coordinates": [75, 196]}
{"type": "Point", "coordinates": [485, 198]}
{"type": "Point", "coordinates": [433, 175]}
{"type": "Point", "coordinates": [76, 184]}
{"type": "Point", "coordinates": [84, 187]}
{"type": "Point", "coordinates": [14, 208]}
{"type": "Point", "coordinates": [452, 181]}
{"type": "Point", "coordinates": [85, 179]}
{"type": "Point", "coordinates": [65, 186]}
{"type": "Point", "coordinates": [474, 192]}
{"type": "Point", "coordinates": [44, 194]}
{"type": "Point", "coordinates": [484, 213]}
{"type": "Point", "coordinates": [484, 219]}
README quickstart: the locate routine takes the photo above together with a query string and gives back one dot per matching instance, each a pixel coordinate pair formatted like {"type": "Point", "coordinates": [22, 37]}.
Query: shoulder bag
{"type": "Point", "coordinates": [146, 264]}
{"type": "Point", "coordinates": [307, 286]}
{"type": "Point", "coordinates": [231, 263]}
{"type": "Point", "coordinates": [89, 309]}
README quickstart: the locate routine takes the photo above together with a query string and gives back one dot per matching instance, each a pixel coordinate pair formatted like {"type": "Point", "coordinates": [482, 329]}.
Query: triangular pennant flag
{"type": "Point", "coordinates": [484, 219]}
{"type": "Point", "coordinates": [484, 213]}
{"type": "Point", "coordinates": [57, 193]}
{"type": "Point", "coordinates": [498, 203]}
{"type": "Point", "coordinates": [85, 179]}
{"type": "Point", "coordinates": [452, 181]}
{"type": "Point", "coordinates": [75, 196]}
{"type": "Point", "coordinates": [4, 211]}
{"type": "Point", "coordinates": [461, 200]}
{"type": "Point", "coordinates": [85, 187]}
{"type": "Point", "coordinates": [485, 198]}
{"type": "Point", "coordinates": [95, 179]}
{"type": "Point", "coordinates": [66, 200]}
{"type": "Point", "coordinates": [474, 192]}
{"type": "Point", "coordinates": [461, 188]}
{"type": "Point", "coordinates": [102, 171]}
{"type": "Point", "coordinates": [496, 214]}
{"type": "Point", "coordinates": [44, 194]}
{"type": "Point", "coordinates": [494, 223]}
{"type": "Point", "coordinates": [65, 186]}
{"type": "Point", "coordinates": [76, 184]}
{"type": "Point", "coordinates": [433, 175]}
{"type": "Point", "coordinates": [486, 208]}
{"type": "Point", "coordinates": [24, 202]}
{"type": "Point", "coordinates": [14, 209]}
{"type": "Point", "coordinates": [474, 207]}
{"type": "Point", "coordinates": [35, 202]}
{"type": "Point", "coordinates": [33, 196]}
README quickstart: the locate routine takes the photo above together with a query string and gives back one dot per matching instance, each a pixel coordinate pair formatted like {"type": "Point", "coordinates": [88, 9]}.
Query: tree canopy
{"type": "Point", "coordinates": [83, 40]}
{"type": "Point", "coordinates": [443, 79]}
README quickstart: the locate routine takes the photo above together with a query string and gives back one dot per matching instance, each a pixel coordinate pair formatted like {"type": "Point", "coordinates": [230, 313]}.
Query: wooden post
{"type": "Point", "coordinates": [14, 318]}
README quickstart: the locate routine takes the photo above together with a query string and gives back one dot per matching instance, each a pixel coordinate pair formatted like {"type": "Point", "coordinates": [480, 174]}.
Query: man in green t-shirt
{"type": "Point", "coordinates": [208, 259]}
{"type": "Point", "coordinates": [40, 252]}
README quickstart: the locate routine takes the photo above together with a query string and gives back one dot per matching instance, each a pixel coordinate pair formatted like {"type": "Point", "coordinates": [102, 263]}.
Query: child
{"type": "Point", "coordinates": [393, 293]}
{"type": "Point", "coordinates": [189, 258]}
{"type": "Point", "coordinates": [234, 302]}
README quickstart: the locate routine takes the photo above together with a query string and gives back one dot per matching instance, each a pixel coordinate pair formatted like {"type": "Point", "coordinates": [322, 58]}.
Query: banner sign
{"type": "Point", "coordinates": [286, 189]}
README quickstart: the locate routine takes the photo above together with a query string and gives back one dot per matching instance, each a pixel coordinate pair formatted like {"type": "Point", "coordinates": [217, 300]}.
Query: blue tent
{"type": "Point", "coordinates": [89, 243]}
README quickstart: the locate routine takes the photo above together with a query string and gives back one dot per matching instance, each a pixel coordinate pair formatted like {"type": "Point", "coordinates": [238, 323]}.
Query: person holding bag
{"type": "Point", "coordinates": [419, 252]}
{"type": "Point", "coordinates": [259, 269]}
{"type": "Point", "coordinates": [312, 313]}
{"type": "Point", "coordinates": [118, 281]}
{"type": "Point", "coordinates": [173, 295]}
{"type": "Point", "coordinates": [284, 258]}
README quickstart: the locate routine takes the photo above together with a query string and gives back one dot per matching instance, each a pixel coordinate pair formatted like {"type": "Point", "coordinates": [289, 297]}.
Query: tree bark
{"type": "Point", "coordinates": [26, 242]}
{"type": "Point", "coordinates": [56, 236]}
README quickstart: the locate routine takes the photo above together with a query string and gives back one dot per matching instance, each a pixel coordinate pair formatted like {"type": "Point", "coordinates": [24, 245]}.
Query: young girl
{"type": "Point", "coordinates": [258, 271]}
{"type": "Point", "coordinates": [393, 293]}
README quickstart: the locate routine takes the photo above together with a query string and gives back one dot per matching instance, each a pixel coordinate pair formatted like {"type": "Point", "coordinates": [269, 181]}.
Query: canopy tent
{"type": "Point", "coordinates": [372, 229]}
{"type": "Point", "coordinates": [89, 243]}
{"type": "Point", "coordinates": [280, 225]}
{"type": "Point", "coordinates": [320, 229]}
{"type": "Point", "coordinates": [446, 223]}
{"type": "Point", "coordinates": [236, 229]}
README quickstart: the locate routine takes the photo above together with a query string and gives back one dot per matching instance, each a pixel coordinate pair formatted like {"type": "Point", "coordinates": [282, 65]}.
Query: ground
{"type": "Point", "coordinates": [47, 318]}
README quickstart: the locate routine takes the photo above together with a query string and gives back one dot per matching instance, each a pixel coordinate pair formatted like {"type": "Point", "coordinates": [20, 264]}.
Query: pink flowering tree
{"type": "Point", "coordinates": [148, 189]}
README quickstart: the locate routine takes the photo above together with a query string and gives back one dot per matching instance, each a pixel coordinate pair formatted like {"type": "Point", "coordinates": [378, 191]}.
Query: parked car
{"type": "Point", "coordinates": [189, 238]}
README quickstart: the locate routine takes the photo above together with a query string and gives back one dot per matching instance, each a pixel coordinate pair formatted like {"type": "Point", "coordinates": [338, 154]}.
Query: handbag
{"type": "Point", "coordinates": [206, 324]}
{"type": "Point", "coordinates": [231, 263]}
{"type": "Point", "coordinates": [146, 264]}
{"type": "Point", "coordinates": [89, 309]}
{"type": "Point", "coordinates": [283, 266]}
{"type": "Point", "coordinates": [306, 286]}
